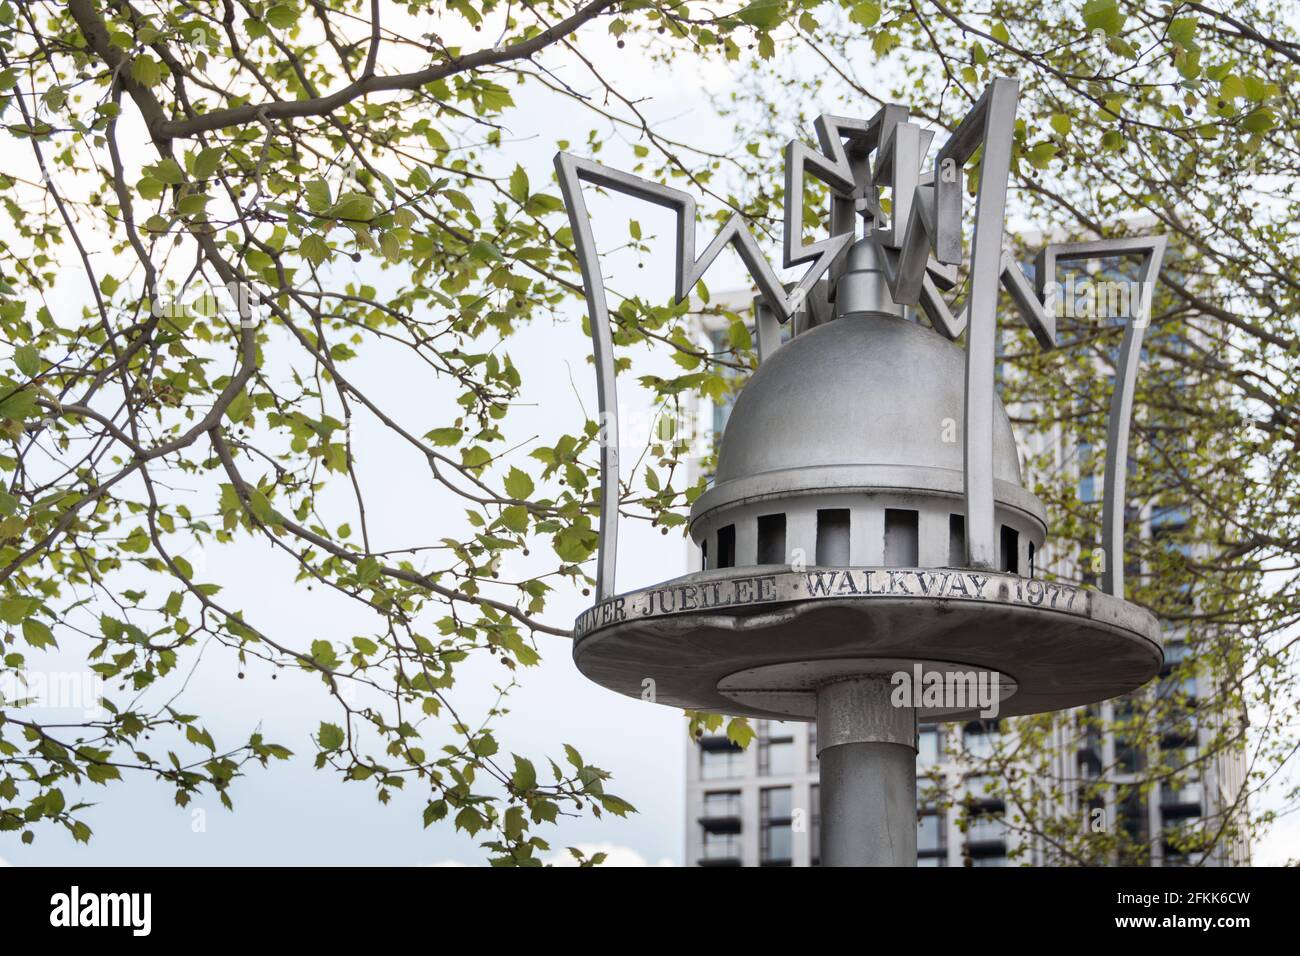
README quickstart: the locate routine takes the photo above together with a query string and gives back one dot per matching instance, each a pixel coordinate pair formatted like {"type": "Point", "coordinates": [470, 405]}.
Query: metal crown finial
{"type": "Point", "coordinates": [919, 248]}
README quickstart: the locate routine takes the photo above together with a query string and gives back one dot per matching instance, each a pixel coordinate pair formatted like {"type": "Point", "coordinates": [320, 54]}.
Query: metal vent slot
{"type": "Point", "coordinates": [771, 539]}
{"type": "Point", "coordinates": [727, 546]}
{"type": "Point", "coordinates": [956, 541]}
{"type": "Point", "coordinates": [833, 537]}
{"type": "Point", "coordinates": [1010, 550]}
{"type": "Point", "coordinates": [902, 545]}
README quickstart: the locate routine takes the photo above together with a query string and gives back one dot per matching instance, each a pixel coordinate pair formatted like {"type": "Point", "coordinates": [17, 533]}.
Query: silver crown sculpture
{"type": "Point", "coordinates": [839, 550]}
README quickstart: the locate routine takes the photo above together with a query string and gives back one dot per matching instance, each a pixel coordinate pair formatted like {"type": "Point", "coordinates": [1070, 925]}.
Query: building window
{"type": "Point", "coordinates": [1130, 751]}
{"type": "Point", "coordinates": [979, 739]}
{"type": "Point", "coordinates": [931, 836]}
{"type": "Point", "coordinates": [812, 747]}
{"type": "Point", "coordinates": [1131, 820]}
{"type": "Point", "coordinates": [815, 824]}
{"type": "Point", "coordinates": [1087, 480]}
{"type": "Point", "coordinates": [775, 749]}
{"type": "Point", "coordinates": [927, 746]}
{"type": "Point", "coordinates": [771, 539]}
{"type": "Point", "coordinates": [833, 536]}
{"type": "Point", "coordinates": [720, 759]}
{"type": "Point", "coordinates": [775, 837]}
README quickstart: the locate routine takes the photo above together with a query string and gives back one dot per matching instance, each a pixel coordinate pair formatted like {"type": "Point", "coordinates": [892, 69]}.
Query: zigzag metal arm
{"type": "Point", "coordinates": [840, 168]}
{"type": "Point", "coordinates": [572, 172]}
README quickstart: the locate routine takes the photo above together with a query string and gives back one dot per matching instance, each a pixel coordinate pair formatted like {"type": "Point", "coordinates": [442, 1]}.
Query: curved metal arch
{"type": "Point", "coordinates": [1115, 477]}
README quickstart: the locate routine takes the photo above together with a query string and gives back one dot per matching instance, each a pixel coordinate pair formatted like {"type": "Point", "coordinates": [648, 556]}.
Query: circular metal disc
{"type": "Point", "coordinates": [683, 642]}
{"type": "Point", "coordinates": [791, 689]}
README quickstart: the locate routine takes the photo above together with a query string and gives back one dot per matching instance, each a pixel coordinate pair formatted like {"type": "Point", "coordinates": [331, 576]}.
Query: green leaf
{"type": "Point", "coordinates": [436, 810]}
{"type": "Point", "coordinates": [13, 610]}
{"type": "Point", "coordinates": [763, 14]}
{"type": "Point", "coordinates": [475, 456]}
{"type": "Point", "coordinates": [1042, 154]}
{"type": "Point", "coordinates": [145, 70]}
{"type": "Point", "coordinates": [150, 187]}
{"type": "Point", "coordinates": [102, 773]}
{"type": "Point", "coordinates": [615, 805]}
{"type": "Point", "coordinates": [167, 171]}
{"type": "Point", "coordinates": [314, 249]}
{"type": "Point", "coordinates": [865, 14]}
{"type": "Point", "coordinates": [515, 517]}
{"type": "Point", "coordinates": [740, 731]}
{"type": "Point", "coordinates": [18, 405]}
{"type": "Point", "coordinates": [369, 569]}
{"type": "Point", "coordinates": [207, 162]}
{"type": "Point", "coordinates": [322, 652]}
{"type": "Point", "coordinates": [1260, 121]}
{"type": "Point", "coordinates": [197, 735]}
{"type": "Point", "coordinates": [329, 736]}
{"type": "Point", "coordinates": [28, 360]}
{"type": "Point", "coordinates": [282, 16]}
{"type": "Point", "coordinates": [352, 207]}
{"type": "Point", "coordinates": [444, 436]}
{"type": "Point", "coordinates": [518, 484]}
{"type": "Point", "coordinates": [519, 184]}
{"type": "Point", "coordinates": [318, 195]}
{"type": "Point", "coordinates": [469, 820]}
{"type": "Point", "coordinates": [1103, 15]}
{"type": "Point", "coordinates": [240, 407]}
{"type": "Point", "coordinates": [525, 775]}
{"type": "Point", "coordinates": [1182, 30]}
{"type": "Point", "coordinates": [1232, 87]}
{"type": "Point", "coordinates": [484, 251]}
{"type": "Point", "coordinates": [740, 337]}
{"type": "Point", "coordinates": [37, 634]}
{"type": "Point", "coordinates": [574, 544]}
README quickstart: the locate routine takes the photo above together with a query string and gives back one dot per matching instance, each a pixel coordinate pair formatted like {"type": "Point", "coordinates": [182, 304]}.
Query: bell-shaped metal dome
{"type": "Point", "coordinates": [856, 392]}
{"type": "Point", "coordinates": [845, 446]}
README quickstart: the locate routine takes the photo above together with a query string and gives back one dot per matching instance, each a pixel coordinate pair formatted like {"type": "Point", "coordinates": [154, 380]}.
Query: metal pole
{"type": "Point", "coordinates": [866, 749]}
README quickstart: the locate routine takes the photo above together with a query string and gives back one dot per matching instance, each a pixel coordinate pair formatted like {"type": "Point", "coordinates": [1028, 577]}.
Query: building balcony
{"type": "Point", "coordinates": [986, 836]}
{"type": "Point", "coordinates": [720, 813]}
{"type": "Point", "coordinates": [1184, 801]}
{"type": "Point", "coordinates": [720, 822]}
{"type": "Point", "coordinates": [720, 851]}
